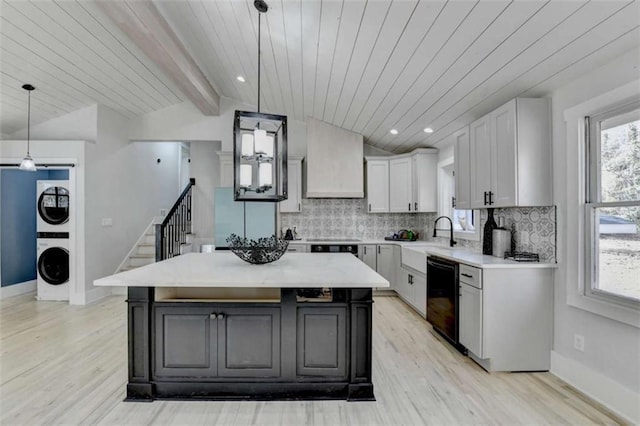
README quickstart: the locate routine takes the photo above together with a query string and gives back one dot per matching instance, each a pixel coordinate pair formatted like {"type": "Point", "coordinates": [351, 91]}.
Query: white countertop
{"type": "Point", "coordinates": [462, 255]}
{"type": "Point", "coordinates": [476, 259]}
{"type": "Point", "coordinates": [292, 270]}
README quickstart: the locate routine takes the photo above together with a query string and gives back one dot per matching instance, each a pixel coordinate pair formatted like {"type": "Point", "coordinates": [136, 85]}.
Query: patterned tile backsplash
{"type": "Point", "coordinates": [533, 228]}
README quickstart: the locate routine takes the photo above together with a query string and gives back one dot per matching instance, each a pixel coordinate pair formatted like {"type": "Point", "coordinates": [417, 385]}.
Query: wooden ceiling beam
{"type": "Point", "coordinates": [146, 27]}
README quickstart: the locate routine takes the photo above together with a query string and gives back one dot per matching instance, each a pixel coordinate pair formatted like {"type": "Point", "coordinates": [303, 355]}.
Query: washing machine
{"type": "Point", "coordinates": [52, 200]}
{"type": "Point", "coordinates": [53, 266]}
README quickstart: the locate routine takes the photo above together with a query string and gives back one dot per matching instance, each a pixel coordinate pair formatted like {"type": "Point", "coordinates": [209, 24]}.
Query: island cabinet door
{"type": "Point", "coordinates": [321, 346]}
{"type": "Point", "coordinates": [186, 341]}
{"type": "Point", "coordinates": [249, 342]}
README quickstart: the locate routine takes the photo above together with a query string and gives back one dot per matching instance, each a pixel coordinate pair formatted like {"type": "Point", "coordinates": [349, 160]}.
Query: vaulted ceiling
{"type": "Point", "coordinates": [367, 66]}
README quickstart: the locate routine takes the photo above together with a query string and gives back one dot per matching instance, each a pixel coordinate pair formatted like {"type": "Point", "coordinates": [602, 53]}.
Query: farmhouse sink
{"type": "Point", "coordinates": [415, 257]}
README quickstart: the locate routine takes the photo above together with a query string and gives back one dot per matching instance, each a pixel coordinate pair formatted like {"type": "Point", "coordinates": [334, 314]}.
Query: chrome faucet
{"type": "Point", "coordinates": [452, 242]}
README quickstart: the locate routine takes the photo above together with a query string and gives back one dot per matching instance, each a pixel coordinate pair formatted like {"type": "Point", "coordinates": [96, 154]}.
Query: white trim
{"type": "Point", "coordinates": [623, 401]}
{"type": "Point", "coordinates": [149, 227]}
{"type": "Point", "coordinates": [575, 181]}
{"type": "Point", "coordinates": [18, 289]}
{"type": "Point", "coordinates": [444, 207]}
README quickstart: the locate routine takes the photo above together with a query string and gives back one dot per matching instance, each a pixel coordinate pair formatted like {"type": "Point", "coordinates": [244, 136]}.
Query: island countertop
{"type": "Point", "coordinates": [293, 270]}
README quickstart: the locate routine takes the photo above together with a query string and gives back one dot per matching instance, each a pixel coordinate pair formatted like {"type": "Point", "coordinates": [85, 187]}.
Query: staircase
{"type": "Point", "coordinates": [164, 237]}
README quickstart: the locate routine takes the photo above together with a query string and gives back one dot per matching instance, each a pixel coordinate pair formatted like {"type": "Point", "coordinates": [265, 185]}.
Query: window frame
{"type": "Point", "coordinates": [593, 202]}
{"type": "Point", "coordinates": [571, 210]}
{"type": "Point", "coordinates": [446, 190]}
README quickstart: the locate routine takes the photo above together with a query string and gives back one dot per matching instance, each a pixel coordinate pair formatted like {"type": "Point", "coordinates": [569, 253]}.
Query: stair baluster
{"type": "Point", "coordinates": [172, 232]}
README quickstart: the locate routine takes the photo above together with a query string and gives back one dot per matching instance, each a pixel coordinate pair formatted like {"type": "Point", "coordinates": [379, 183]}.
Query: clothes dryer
{"type": "Point", "coordinates": [52, 204]}
{"type": "Point", "coordinates": [53, 266]}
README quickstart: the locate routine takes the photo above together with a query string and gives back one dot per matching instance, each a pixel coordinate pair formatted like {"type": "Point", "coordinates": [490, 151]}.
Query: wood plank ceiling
{"type": "Point", "coordinates": [370, 66]}
{"type": "Point", "coordinates": [367, 66]}
{"type": "Point", "coordinates": [75, 56]}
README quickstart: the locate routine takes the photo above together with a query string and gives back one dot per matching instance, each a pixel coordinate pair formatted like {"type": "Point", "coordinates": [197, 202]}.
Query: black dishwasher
{"type": "Point", "coordinates": [442, 297]}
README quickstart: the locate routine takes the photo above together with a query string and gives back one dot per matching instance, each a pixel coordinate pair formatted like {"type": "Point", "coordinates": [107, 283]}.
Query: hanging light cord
{"type": "Point", "coordinates": [28, 121]}
{"type": "Point", "coordinates": [259, 33]}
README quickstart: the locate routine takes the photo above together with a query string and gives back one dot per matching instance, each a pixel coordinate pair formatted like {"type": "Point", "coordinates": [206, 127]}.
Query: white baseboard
{"type": "Point", "coordinates": [120, 291]}
{"type": "Point", "coordinates": [18, 289]}
{"type": "Point", "coordinates": [96, 294]}
{"type": "Point", "coordinates": [621, 400]}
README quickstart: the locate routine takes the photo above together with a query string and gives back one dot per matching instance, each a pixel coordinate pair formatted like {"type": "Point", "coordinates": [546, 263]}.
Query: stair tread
{"type": "Point", "coordinates": [143, 256]}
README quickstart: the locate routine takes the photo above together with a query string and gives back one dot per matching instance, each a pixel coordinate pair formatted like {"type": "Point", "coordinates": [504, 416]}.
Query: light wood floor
{"type": "Point", "coordinates": [64, 364]}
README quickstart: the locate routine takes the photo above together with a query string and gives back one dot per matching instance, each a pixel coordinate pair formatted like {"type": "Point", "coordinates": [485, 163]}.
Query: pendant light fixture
{"type": "Point", "coordinates": [27, 163]}
{"type": "Point", "coordinates": [259, 147]}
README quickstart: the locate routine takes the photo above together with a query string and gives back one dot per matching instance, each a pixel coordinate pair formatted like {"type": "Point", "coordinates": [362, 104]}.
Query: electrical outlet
{"type": "Point", "coordinates": [107, 221]}
{"type": "Point", "coordinates": [578, 342]}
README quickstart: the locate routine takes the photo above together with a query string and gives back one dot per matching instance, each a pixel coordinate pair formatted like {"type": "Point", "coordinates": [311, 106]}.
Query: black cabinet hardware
{"type": "Point", "coordinates": [485, 198]}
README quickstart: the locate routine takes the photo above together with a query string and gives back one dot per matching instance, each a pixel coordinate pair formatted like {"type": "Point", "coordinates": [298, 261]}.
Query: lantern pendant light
{"type": "Point", "coordinates": [259, 148]}
{"type": "Point", "coordinates": [27, 163]}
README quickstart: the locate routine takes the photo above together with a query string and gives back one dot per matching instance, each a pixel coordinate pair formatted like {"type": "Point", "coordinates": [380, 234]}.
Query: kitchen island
{"type": "Point", "coordinates": [211, 326]}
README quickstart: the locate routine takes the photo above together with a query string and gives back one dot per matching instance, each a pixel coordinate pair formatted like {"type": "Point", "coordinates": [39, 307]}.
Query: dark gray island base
{"type": "Point", "coordinates": [285, 347]}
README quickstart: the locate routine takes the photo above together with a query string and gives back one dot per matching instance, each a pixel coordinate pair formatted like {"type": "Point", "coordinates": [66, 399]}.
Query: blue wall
{"type": "Point", "coordinates": [18, 236]}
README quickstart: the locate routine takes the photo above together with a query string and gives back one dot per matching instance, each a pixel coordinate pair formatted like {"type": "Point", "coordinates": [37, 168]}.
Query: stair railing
{"type": "Point", "coordinates": [172, 232]}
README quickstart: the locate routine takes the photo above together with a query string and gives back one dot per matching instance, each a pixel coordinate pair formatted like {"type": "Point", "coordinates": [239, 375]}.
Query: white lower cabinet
{"type": "Point", "coordinates": [368, 254]}
{"type": "Point", "coordinates": [387, 262]}
{"type": "Point", "coordinates": [412, 288]}
{"type": "Point", "coordinates": [382, 258]}
{"type": "Point", "coordinates": [506, 317]}
{"type": "Point", "coordinates": [470, 319]}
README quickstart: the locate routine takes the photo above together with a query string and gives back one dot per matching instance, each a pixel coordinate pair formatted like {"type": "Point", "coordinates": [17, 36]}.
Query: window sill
{"type": "Point", "coordinates": [467, 235]}
{"type": "Point", "coordinates": [614, 311]}
{"type": "Point", "coordinates": [460, 235]}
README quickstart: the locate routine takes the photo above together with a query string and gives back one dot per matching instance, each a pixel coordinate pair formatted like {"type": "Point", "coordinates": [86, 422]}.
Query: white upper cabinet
{"type": "Point", "coordinates": [480, 140]}
{"type": "Point", "coordinates": [511, 156]}
{"type": "Point", "coordinates": [294, 192]}
{"type": "Point", "coordinates": [462, 169]}
{"type": "Point", "coordinates": [424, 167]}
{"type": "Point", "coordinates": [377, 185]}
{"type": "Point", "coordinates": [401, 185]}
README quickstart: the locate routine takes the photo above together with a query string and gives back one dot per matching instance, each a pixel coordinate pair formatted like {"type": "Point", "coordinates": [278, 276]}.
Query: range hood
{"type": "Point", "coordinates": [335, 162]}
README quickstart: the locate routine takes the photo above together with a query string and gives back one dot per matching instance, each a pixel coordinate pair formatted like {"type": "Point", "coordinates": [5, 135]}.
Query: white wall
{"type": "Point", "coordinates": [205, 168]}
{"type": "Point", "coordinates": [114, 179]}
{"type": "Point", "coordinates": [125, 183]}
{"type": "Point", "coordinates": [47, 151]}
{"type": "Point", "coordinates": [76, 125]}
{"type": "Point", "coordinates": [612, 349]}
{"type": "Point", "coordinates": [184, 122]}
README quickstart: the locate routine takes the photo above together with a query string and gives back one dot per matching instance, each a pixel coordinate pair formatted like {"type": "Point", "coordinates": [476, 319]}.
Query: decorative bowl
{"type": "Point", "coordinates": [265, 250]}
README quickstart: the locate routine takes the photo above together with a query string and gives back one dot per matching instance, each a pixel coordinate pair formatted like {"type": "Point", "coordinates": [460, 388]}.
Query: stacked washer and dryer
{"type": "Point", "coordinates": [52, 200]}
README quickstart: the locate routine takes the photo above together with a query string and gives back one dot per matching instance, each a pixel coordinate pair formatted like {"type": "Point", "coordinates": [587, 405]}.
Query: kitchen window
{"type": "Point", "coordinates": [465, 222]}
{"type": "Point", "coordinates": [612, 208]}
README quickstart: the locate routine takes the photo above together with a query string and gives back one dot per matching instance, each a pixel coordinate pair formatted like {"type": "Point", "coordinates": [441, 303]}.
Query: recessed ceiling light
{"type": "Point", "coordinates": [241, 79]}
{"type": "Point", "coordinates": [393, 131]}
{"type": "Point", "coordinates": [428, 130]}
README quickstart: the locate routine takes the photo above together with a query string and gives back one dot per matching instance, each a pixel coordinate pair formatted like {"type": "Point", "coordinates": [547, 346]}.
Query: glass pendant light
{"type": "Point", "coordinates": [260, 148]}
{"type": "Point", "coordinates": [27, 163]}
